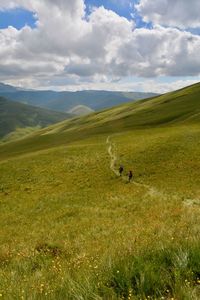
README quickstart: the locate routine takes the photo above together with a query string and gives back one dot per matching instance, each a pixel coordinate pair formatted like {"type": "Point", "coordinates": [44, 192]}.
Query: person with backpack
{"type": "Point", "coordinates": [130, 176]}
{"type": "Point", "coordinates": [121, 169]}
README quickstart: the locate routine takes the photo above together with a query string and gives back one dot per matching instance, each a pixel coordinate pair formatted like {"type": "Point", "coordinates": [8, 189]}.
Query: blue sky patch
{"type": "Point", "coordinates": [195, 31]}
{"type": "Point", "coordinates": [121, 7]}
{"type": "Point", "coordinates": [124, 8]}
{"type": "Point", "coordinates": [17, 18]}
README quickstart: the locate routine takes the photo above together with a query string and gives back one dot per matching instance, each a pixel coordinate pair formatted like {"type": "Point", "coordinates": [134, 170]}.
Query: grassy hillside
{"type": "Point", "coordinates": [19, 134]}
{"type": "Point", "coordinates": [72, 229]}
{"type": "Point", "coordinates": [15, 115]}
{"type": "Point", "coordinates": [179, 107]}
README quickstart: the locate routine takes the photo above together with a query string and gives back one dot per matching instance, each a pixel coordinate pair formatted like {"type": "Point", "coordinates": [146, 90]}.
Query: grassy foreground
{"type": "Point", "coordinates": [72, 229]}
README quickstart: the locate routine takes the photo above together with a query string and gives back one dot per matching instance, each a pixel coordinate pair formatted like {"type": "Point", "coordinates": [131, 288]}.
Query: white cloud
{"type": "Point", "coordinates": [180, 13]}
{"type": "Point", "coordinates": [68, 48]}
{"type": "Point", "coordinates": [160, 51]}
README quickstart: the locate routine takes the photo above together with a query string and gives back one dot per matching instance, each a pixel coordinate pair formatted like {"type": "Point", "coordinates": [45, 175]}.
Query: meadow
{"type": "Point", "coordinates": [72, 229]}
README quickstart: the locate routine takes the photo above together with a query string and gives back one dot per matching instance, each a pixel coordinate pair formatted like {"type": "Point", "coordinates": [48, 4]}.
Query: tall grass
{"type": "Point", "coordinates": [172, 272]}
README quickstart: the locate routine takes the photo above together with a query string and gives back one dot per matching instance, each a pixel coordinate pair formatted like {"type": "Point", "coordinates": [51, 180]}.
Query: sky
{"type": "Point", "coordinates": [128, 45]}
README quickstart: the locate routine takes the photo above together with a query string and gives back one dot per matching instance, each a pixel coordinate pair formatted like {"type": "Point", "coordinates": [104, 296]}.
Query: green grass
{"type": "Point", "coordinates": [167, 158]}
{"type": "Point", "coordinates": [160, 273]}
{"type": "Point", "coordinates": [19, 133]}
{"type": "Point", "coordinates": [72, 229]}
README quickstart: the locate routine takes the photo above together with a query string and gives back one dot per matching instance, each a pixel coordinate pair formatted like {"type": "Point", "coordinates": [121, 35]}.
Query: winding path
{"type": "Point", "coordinates": [113, 156]}
{"type": "Point", "coordinates": [113, 160]}
{"type": "Point", "coordinates": [151, 191]}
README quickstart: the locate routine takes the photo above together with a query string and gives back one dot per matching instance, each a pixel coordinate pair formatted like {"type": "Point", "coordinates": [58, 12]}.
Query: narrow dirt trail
{"type": "Point", "coordinates": [113, 156]}
{"type": "Point", "coordinates": [151, 191]}
{"type": "Point", "coordinates": [113, 161]}
{"type": "Point", "coordinates": [190, 207]}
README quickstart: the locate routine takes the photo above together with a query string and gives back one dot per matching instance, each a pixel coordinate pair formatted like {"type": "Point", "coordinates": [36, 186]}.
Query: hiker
{"type": "Point", "coordinates": [130, 176]}
{"type": "Point", "coordinates": [121, 169]}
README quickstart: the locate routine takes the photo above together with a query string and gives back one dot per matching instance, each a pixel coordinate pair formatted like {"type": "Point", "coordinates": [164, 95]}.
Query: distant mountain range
{"type": "Point", "coordinates": [65, 101]}
{"type": "Point", "coordinates": [14, 115]}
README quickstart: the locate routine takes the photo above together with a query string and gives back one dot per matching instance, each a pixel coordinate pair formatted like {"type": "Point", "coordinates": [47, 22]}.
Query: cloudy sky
{"type": "Point", "coordinates": [135, 45]}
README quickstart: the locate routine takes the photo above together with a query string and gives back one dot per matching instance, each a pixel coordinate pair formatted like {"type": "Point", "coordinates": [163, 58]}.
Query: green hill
{"type": "Point", "coordinates": [15, 115]}
{"type": "Point", "coordinates": [177, 107]}
{"type": "Point", "coordinates": [80, 110]}
{"type": "Point", "coordinates": [71, 228]}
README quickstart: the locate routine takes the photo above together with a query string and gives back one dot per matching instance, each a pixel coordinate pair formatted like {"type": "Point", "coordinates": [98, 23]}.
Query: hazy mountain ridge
{"type": "Point", "coordinates": [64, 101]}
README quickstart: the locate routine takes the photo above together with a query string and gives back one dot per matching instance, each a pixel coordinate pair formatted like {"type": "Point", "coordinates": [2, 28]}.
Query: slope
{"type": "Point", "coordinates": [72, 229]}
{"type": "Point", "coordinates": [178, 107]}
{"type": "Point", "coordinates": [15, 115]}
{"type": "Point", "coordinates": [172, 108]}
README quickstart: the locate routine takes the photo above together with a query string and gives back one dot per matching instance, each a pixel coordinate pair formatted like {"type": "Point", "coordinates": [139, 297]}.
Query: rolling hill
{"type": "Point", "coordinates": [64, 101]}
{"type": "Point", "coordinates": [177, 107]}
{"type": "Point", "coordinates": [80, 110]}
{"type": "Point", "coordinates": [71, 228]}
{"type": "Point", "coordinates": [15, 115]}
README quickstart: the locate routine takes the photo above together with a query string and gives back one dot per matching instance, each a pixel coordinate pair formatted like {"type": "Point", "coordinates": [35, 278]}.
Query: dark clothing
{"type": "Point", "coordinates": [121, 169]}
{"type": "Point", "coordinates": [130, 175]}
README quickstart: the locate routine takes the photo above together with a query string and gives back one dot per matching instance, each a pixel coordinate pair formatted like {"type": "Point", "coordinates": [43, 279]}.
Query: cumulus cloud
{"type": "Point", "coordinates": [160, 51]}
{"type": "Point", "coordinates": [69, 47]}
{"type": "Point", "coordinates": [180, 13]}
